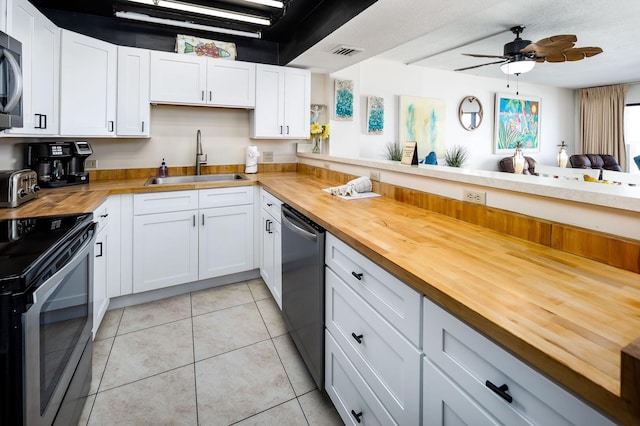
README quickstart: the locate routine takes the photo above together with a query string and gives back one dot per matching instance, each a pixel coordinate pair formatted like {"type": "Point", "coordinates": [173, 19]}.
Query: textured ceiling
{"type": "Point", "coordinates": [434, 34]}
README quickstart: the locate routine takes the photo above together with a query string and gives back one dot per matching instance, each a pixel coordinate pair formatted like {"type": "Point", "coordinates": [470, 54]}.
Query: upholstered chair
{"type": "Point", "coordinates": [595, 161]}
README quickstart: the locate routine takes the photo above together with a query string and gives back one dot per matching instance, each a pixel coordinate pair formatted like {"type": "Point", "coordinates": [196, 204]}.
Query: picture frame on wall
{"type": "Point", "coordinates": [517, 119]}
{"type": "Point", "coordinates": [375, 115]}
{"type": "Point", "coordinates": [423, 120]}
{"type": "Point", "coordinates": [343, 97]}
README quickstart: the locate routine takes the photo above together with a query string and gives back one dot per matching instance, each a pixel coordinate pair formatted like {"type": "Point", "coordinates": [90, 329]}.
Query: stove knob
{"type": "Point", "coordinates": [22, 193]}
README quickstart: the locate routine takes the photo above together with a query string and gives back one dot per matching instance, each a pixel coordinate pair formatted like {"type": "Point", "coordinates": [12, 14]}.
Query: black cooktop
{"type": "Point", "coordinates": [27, 246]}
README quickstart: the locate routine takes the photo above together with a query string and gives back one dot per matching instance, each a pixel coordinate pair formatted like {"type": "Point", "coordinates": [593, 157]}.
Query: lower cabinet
{"type": "Point", "coordinates": [101, 273]}
{"type": "Point", "coordinates": [271, 245]}
{"type": "Point", "coordinates": [176, 241]}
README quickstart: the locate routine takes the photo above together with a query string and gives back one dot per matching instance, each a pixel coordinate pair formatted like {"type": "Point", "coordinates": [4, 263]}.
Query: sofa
{"type": "Point", "coordinates": [595, 161]}
{"type": "Point", "coordinates": [506, 165]}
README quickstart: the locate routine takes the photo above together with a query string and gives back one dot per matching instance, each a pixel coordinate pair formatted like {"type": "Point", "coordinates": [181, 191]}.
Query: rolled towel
{"type": "Point", "coordinates": [353, 187]}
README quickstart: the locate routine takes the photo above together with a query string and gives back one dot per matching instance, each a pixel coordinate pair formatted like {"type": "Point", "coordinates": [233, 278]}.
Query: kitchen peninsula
{"type": "Point", "coordinates": [567, 316]}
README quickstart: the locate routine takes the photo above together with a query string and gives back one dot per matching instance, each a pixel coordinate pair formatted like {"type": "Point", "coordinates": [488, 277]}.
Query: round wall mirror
{"type": "Point", "coordinates": [470, 113]}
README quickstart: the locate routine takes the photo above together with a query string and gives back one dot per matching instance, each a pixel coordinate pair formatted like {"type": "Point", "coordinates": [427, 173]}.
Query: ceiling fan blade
{"type": "Point", "coordinates": [481, 65]}
{"type": "Point", "coordinates": [574, 54]}
{"type": "Point", "coordinates": [564, 38]}
{"type": "Point", "coordinates": [485, 56]}
{"type": "Point", "coordinates": [548, 49]}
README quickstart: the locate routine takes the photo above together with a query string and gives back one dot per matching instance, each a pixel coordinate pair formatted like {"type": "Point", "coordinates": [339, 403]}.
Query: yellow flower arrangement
{"type": "Point", "coordinates": [318, 132]}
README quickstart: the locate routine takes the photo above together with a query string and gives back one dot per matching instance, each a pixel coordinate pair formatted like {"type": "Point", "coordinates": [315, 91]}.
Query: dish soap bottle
{"type": "Point", "coordinates": [163, 170]}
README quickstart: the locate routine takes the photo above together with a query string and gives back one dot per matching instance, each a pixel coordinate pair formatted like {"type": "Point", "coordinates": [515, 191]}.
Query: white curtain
{"type": "Point", "coordinates": [602, 121]}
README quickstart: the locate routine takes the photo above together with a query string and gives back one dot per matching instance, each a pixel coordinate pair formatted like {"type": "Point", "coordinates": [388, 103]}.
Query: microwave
{"type": "Point", "coordinates": [10, 82]}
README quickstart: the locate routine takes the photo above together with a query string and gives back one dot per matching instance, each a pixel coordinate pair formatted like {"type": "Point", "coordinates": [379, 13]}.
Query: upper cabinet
{"type": "Point", "coordinates": [40, 40]}
{"type": "Point", "coordinates": [283, 100]}
{"type": "Point", "coordinates": [134, 110]}
{"type": "Point", "coordinates": [88, 78]}
{"type": "Point", "coordinates": [194, 80]}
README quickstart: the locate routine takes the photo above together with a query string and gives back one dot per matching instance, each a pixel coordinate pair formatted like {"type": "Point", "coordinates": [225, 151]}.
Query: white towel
{"type": "Point", "coordinates": [353, 187]}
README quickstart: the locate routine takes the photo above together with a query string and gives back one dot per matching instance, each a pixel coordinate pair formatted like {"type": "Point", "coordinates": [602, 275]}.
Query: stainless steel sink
{"type": "Point", "coordinates": [195, 179]}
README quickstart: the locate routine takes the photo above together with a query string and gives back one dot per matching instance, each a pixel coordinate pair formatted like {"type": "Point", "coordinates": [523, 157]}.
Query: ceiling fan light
{"type": "Point", "coordinates": [518, 67]}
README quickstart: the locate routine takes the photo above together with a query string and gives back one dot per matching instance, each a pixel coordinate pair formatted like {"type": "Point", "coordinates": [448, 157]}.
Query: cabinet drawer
{"type": "Point", "coordinates": [472, 361]}
{"type": "Point", "coordinates": [384, 358]}
{"type": "Point", "coordinates": [395, 301]}
{"type": "Point", "coordinates": [270, 204]}
{"type": "Point", "coordinates": [101, 215]}
{"type": "Point", "coordinates": [350, 394]}
{"type": "Point", "coordinates": [163, 202]}
{"type": "Point", "coordinates": [223, 197]}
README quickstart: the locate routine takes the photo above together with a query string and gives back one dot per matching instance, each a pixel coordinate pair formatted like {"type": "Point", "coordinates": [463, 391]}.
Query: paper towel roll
{"type": "Point", "coordinates": [251, 163]}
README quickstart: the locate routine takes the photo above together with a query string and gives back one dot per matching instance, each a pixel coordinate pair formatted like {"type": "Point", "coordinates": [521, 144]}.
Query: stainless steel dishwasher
{"type": "Point", "coordinates": [303, 288]}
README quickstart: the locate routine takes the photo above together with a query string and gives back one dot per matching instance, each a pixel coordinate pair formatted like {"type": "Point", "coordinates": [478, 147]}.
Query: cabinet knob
{"type": "Point", "coordinates": [358, 275]}
{"type": "Point", "coordinates": [501, 391]}
{"type": "Point", "coordinates": [358, 337]}
{"type": "Point", "coordinates": [357, 416]}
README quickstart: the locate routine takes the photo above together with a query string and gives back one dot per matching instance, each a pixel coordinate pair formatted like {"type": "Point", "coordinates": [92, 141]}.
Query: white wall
{"type": "Point", "coordinates": [391, 79]}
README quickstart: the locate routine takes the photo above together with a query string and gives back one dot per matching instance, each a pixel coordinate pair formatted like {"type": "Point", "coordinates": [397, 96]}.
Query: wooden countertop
{"type": "Point", "coordinates": [568, 316]}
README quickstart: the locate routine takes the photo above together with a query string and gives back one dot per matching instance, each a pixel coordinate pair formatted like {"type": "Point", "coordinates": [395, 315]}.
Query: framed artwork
{"type": "Point", "coordinates": [344, 100]}
{"type": "Point", "coordinates": [517, 119]}
{"type": "Point", "coordinates": [422, 120]}
{"type": "Point", "coordinates": [375, 115]}
{"type": "Point", "coordinates": [190, 45]}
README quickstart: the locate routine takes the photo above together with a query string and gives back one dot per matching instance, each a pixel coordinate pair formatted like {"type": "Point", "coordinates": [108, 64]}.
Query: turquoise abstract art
{"type": "Point", "coordinates": [422, 120]}
{"type": "Point", "coordinates": [344, 100]}
{"type": "Point", "coordinates": [375, 115]}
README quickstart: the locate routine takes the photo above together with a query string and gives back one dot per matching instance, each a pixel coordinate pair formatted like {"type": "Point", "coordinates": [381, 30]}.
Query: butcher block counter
{"type": "Point", "coordinates": [574, 319]}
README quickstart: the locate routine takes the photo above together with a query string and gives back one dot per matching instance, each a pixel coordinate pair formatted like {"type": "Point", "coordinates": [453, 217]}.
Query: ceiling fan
{"type": "Point", "coordinates": [520, 55]}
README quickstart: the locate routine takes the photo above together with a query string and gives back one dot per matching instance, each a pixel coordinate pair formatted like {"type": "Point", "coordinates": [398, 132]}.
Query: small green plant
{"type": "Point", "coordinates": [455, 156]}
{"type": "Point", "coordinates": [394, 151]}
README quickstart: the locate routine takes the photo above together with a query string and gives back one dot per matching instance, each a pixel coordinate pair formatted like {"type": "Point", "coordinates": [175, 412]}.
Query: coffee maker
{"type": "Point", "coordinates": [58, 163]}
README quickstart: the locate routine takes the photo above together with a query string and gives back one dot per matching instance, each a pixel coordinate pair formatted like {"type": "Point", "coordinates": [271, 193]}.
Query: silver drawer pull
{"type": "Point", "coordinates": [358, 275]}
{"type": "Point", "coordinates": [357, 337]}
{"type": "Point", "coordinates": [501, 391]}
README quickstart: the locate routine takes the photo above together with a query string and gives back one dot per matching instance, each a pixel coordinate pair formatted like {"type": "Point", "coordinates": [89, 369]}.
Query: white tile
{"type": "Point", "coordinates": [272, 316]}
{"type": "Point", "coordinates": [109, 325]}
{"type": "Point", "coordinates": [155, 313]}
{"type": "Point", "coordinates": [297, 372]}
{"type": "Point", "coordinates": [222, 297]}
{"type": "Point", "coordinates": [165, 399]}
{"type": "Point", "coordinates": [319, 410]}
{"type": "Point", "coordinates": [227, 329]}
{"type": "Point", "coordinates": [239, 384]}
{"type": "Point", "coordinates": [101, 351]}
{"type": "Point", "coordinates": [144, 353]}
{"type": "Point", "coordinates": [287, 414]}
{"type": "Point", "coordinates": [259, 289]}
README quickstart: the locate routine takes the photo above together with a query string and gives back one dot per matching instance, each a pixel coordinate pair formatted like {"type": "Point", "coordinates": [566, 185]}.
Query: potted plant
{"type": "Point", "coordinates": [393, 151]}
{"type": "Point", "coordinates": [455, 156]}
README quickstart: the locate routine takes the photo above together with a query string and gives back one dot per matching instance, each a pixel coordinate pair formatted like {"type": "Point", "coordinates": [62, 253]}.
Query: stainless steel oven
{"type": "Point", "coordinates": [10, 82]}
{"type": "Point", "coordinates": [46, 311]}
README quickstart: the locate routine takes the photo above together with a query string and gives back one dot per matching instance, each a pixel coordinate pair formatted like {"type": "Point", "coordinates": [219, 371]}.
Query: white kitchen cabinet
{"type": "Point", "coordinates": [40, 40]}
{"type": "Point", "coordinates": [490, 379]}
{"type": "Point", "coordinates": [88, 78]}
{"type": "Point", "coordinates": [186, 236]}
{"type": "Point", "coordinates": [195, 80]}
{"type": "Point", "coordinates": [271, 244]}
{"type": "Point", "coordinates": [226, 241]}
{"type": "Point", "coordinates": [101, 273]}
{"type": "Point", "coordinates": [133, 107]}
{"type": "Point", "coordinates": [283, 100]}
{"type": "Point", "coordinates": [165, 250]}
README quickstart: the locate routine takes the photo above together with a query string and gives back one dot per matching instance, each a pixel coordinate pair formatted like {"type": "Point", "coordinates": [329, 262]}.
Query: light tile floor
{"type": "Point", "coordinates": [220, 356]}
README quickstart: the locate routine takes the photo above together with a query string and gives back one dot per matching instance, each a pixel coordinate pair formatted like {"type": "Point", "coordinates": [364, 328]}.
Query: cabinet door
{"type": "Point", "coordinates": [446, 404]}
{"type": "Point", "coordinates": [88, 76]}
{"type": "Point", "coordinates": [133, 92]}
{"type": "Point", "coordinates": [231, 83]}
{"type": "Point", "coordinates": [40, 40]}
{"type": "Point", "coordinates": [100, 278]}
{"type": "Point", "coordinates": [268, 117]}
{"type": "Point", "coordinates": [297, 102]}
{"type": "Point", "coordinates": [226, 240]}
{"type": "Point", "coordinates": [271, 256]}
{"type": "Point", "coordinates": [178, 79]}
{"type": "Point", "coordinates": [165, 250]}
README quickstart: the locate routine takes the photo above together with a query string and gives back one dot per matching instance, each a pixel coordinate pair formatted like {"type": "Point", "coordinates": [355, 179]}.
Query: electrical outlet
{"type": "Point", "coordinates": [374, 176]}
{"type": "Point", "coordinates": [327, 166]}
{"type": "Point", "coordinates": [90, 164]}
{"type": "Point", "coordinates": [476, 197]}
{"type": "Point", "coordinates": [267, 156]}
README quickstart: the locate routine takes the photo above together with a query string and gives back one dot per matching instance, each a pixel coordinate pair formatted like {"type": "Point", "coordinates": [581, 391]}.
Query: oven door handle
{"type": "Point", "coordinates": [17, 87]}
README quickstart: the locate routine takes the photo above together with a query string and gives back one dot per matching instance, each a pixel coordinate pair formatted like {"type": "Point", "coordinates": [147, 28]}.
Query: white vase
{"type": "Point", "coordinates": [518, 161]}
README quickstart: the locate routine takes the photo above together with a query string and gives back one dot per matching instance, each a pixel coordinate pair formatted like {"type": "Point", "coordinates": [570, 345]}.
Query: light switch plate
{"type": "Point", "coordinates": [90, 164]}
{"type": "Point", "coordinates": [267, 156]}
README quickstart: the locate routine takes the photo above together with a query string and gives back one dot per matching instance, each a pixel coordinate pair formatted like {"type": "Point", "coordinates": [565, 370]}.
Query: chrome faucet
{"type": "Point", "coordinates": [199, 155]}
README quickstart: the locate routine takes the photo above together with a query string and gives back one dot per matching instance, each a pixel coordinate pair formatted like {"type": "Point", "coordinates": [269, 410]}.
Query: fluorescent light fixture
{"type": "Point", "coordinates": [183, 24]}
{"type": "Point", "coordinates": [271, 3]}
{"type": "Point", "coordinates": [518, 67]}
{"type": "Point", "coordinates": [202, 10]}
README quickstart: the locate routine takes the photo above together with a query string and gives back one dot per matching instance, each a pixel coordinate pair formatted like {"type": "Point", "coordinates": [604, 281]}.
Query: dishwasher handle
{"type": "Point", "coordinates": [298, 227]}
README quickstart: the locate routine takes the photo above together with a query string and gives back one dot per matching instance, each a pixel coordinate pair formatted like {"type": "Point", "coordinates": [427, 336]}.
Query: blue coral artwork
{"type": "Point", "coordinates": [344, 100]}
{"type": "Point", "coordinates": [375, 115]}
{"type": "Point", "coordinates": [422, 120]}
